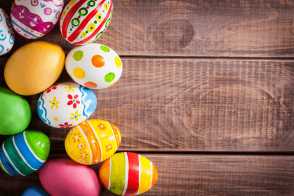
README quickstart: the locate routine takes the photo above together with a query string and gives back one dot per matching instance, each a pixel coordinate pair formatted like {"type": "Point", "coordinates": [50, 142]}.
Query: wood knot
{"type": "Point", "coordinates": [173, 34]}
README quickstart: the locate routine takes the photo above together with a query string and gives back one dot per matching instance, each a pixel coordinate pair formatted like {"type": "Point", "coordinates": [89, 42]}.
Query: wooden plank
{"type": "Point", "coordinates": [231, 28]}
{"type": "Point", "coordinates": [194, 105]}
{"type": "Point", "coordinates": [198, 175]}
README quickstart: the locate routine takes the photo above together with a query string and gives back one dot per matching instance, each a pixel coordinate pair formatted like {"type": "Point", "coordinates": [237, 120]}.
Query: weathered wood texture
{"type": "Point", "coordinates": [199, 175]}
{"type": "Point", "coordinates": [194, 105]}
{"type": "Point", "coordinates": [231, 28]}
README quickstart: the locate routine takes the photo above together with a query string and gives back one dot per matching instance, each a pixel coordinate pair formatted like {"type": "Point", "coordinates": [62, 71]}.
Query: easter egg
{"type": "Point", "coordinates": [66, 104]}
{"type": "Point", "coordinates": [35, 191]}
{"type": "Point", "coordinates": [15, 115]}
{"type": "Point", "coordinates": [94, 66]}
{"type": "Point", "coordinates": [92, 141]}
{"type": "Point", "coordinates": [34, 67]}
{"type": "Point", "coordinates": [62, 177]}
{"type": "Point", "coordinates": [127, 173]}
{"type": "Point", "coordinates": [6, 33]}
{"type": "Point", "coordinates": [24, 153]}
{"type": "Point", "coordinates": [85, 21]}
{"type": "Point", "coordinates": [32, 19]}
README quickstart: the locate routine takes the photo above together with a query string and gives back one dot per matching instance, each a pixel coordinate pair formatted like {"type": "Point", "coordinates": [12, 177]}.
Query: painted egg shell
{"type": "Point", "coordinates": [94, 65]}
{"type": "Point", "coordinates": [127, 173]}
{"type": "Point", "coordinates": [62, 177]}
{"type": "Point", "coordinates": [92, 141]}
{"type": "Point", "coordinates": [32, 19]}
{"type": "Point", "coordinates": [35, 191]}
{"type": "Point", "coordinates": [66, 104]}
{"type": "Point", "coordinates": [85, 21]}
{"type": "Point", "coordinates": [15, 115]}
{"type": "Point", "coordinates": [24, 153]}
{"type": "Point", "coordinates": [34, 67]}
{"type": "Point", "coordinates": [6, 33]}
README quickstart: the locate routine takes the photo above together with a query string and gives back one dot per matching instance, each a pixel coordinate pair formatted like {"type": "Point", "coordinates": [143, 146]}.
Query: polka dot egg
{"type": "Point", "coordinates": [92, 141]}
{"type": "Point", "coordinates": [85, 21]}
{"type": "Point", "coordinates": [66, 104]}
{"type": "Point", "coordinates": [6, 33]}
{"type": "Point", "coordinates": [94, 66]}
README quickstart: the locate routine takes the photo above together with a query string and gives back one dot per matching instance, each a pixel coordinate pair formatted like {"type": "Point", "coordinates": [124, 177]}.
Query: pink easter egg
{"type": "Point", "coordinates": [61, 177]}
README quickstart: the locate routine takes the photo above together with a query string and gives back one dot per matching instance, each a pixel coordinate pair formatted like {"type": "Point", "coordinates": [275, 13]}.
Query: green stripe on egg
{"type": "Point", "coordinates": [39, 143]}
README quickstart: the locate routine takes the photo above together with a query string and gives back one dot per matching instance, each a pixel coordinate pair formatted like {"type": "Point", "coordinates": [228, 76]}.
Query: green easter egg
{"type": "Point", "coordinates": [15, 114]}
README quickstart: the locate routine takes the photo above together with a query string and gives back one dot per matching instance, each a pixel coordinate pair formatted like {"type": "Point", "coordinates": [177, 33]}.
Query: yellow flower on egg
{"type": "Point", "coordinates": [70, 88]}
{"type": "Point", "coordinates": [54, 103]}
{"type": "Point", "coordinates": [75, 116]}
{"type": "Point", "coordinates": [84, 34]}
{"type": "Point", "coordinates": [64, 13]}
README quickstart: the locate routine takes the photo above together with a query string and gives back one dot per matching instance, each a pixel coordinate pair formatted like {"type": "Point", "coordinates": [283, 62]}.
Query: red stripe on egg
{"type": "Point", "coordinates": [69, 15]}
{"type": "Point", "coordinates": [77, 32]}
{"type": "Point", "coordinates": [97, 30]}
{"type": "Point", "coordinates": [133, 180]}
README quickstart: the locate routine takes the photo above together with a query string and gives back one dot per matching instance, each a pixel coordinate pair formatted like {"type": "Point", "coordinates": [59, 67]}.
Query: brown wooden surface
{"type": "Point", "coordinates": [167, 101]}
{"type": "Point", "coordinates": [235, 28]}
{"type": "Point", "coordinates": [195, 105]}
{"type": "Point", "coordinates": [199, 175]}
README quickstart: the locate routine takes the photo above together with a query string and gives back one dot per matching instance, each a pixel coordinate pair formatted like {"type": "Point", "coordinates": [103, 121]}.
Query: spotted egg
{"type": "Point", "coordinates": [85, 21]}
{"type": "Point", "coordinates": [128, 173]}
{"type": "Point", "coordinates": [94, 66]}
{"type": "Point", "coordinates": [66, 104]}
{"type": "Point", "coordinates": [24, 153]}
{"type": "Point", "coordinates": [6, 33]}
{"type": "Point", "coordinates": [92, 141]}
{"type": "Point", "coordinates": [32, 19]}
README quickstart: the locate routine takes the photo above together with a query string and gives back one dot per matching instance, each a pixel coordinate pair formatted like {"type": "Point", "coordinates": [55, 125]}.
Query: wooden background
{"type": "Point", "coordinates": [207, 94]}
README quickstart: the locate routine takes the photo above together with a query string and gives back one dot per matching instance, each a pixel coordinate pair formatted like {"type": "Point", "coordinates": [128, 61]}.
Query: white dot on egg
{"type": "Point", "coordinates": [111, 138]}
{"type": "Point", "coordinates": [93, 141]}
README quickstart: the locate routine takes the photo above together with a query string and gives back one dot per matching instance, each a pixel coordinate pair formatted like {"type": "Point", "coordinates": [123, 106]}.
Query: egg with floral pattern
{"type": "Point", "coordinates": [92, 141]}
{"type": "Point", "coordinates": [94, 66]}
{"type": "Point", "coordinates": [84, 21]}
{"type": "Point", "coordinates": [66, 104]}
{"type": "Point", "coordinates": [32, 19]}
{"type": "Point", "coordinates": [6, 33]}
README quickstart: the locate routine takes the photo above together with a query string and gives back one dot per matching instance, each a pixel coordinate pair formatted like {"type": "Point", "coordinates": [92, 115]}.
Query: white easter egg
{"type": "Point", "coordinates": [6, 33]}
{"type": "Point", "coordinates": [32, 19]}
{"type": "Point", "coordinates": [66, 104]}
{"type": "Point", "coordinates": [94, 66]}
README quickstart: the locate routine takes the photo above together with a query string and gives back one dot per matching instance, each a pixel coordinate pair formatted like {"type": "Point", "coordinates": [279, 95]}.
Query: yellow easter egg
{"type": "Point", "coordinates": [34, 67]}
{"type": "Point", "coordinates": [92, 141]}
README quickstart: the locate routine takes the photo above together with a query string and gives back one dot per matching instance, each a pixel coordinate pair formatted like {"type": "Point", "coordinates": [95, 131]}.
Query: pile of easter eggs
{"type": "Point", "coordinates": [33, 69]}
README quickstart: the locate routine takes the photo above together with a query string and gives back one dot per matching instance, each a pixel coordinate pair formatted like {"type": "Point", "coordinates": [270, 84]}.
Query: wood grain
{"type": "Point", "coordinates": [198, 175]}
{"type": "Point", "coordinates": [231, 28]}
{"type": "Point", "coordinates": [224, 105]}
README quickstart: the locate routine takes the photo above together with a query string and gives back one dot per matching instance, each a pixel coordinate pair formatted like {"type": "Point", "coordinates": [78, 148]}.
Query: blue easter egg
{"type": "Point", "coordinates": [35, 191]}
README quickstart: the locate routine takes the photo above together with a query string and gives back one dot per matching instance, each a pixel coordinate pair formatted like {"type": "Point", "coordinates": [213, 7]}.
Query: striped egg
{"type": "Point", "coordinates": [92, 141]}
{"type": "Point", "coordinates": [127, 173]}
{"type": "Point", "coordinates": [24, 153]}
{"type": "Point", "coordinates": [84, 21]}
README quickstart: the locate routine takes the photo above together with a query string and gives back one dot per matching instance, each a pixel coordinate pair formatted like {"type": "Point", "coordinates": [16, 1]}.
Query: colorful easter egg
{"type": "Point", "coordinates": [15, 115]}
{"type": "Point", "coordinates": [66, 104]}
{"type": "Point", "coordinates": [24, 153]}
{"type": "Point", "coordinates": [127, 173]}
{"type": "Point", "coordinates": [92, 141]}
{"type": "Point", "coordinates": [34, 67]}
{"type": "Point", "coordinates": [32, 19]}
{"type": "Point", "coordinates": [6, 33]}
{"type": "Point", "coordinates": [85, 21]}
{"type": "Point", "coordinates": [62, 177]}
{"type": "Point", "coordinates": [35, 191]}
{"type": "Point", "coordinates": [94, 66]}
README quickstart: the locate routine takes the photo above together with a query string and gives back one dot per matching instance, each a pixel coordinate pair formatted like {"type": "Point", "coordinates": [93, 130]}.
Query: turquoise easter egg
{"type": "Point", "coordinates": [24, 153]}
